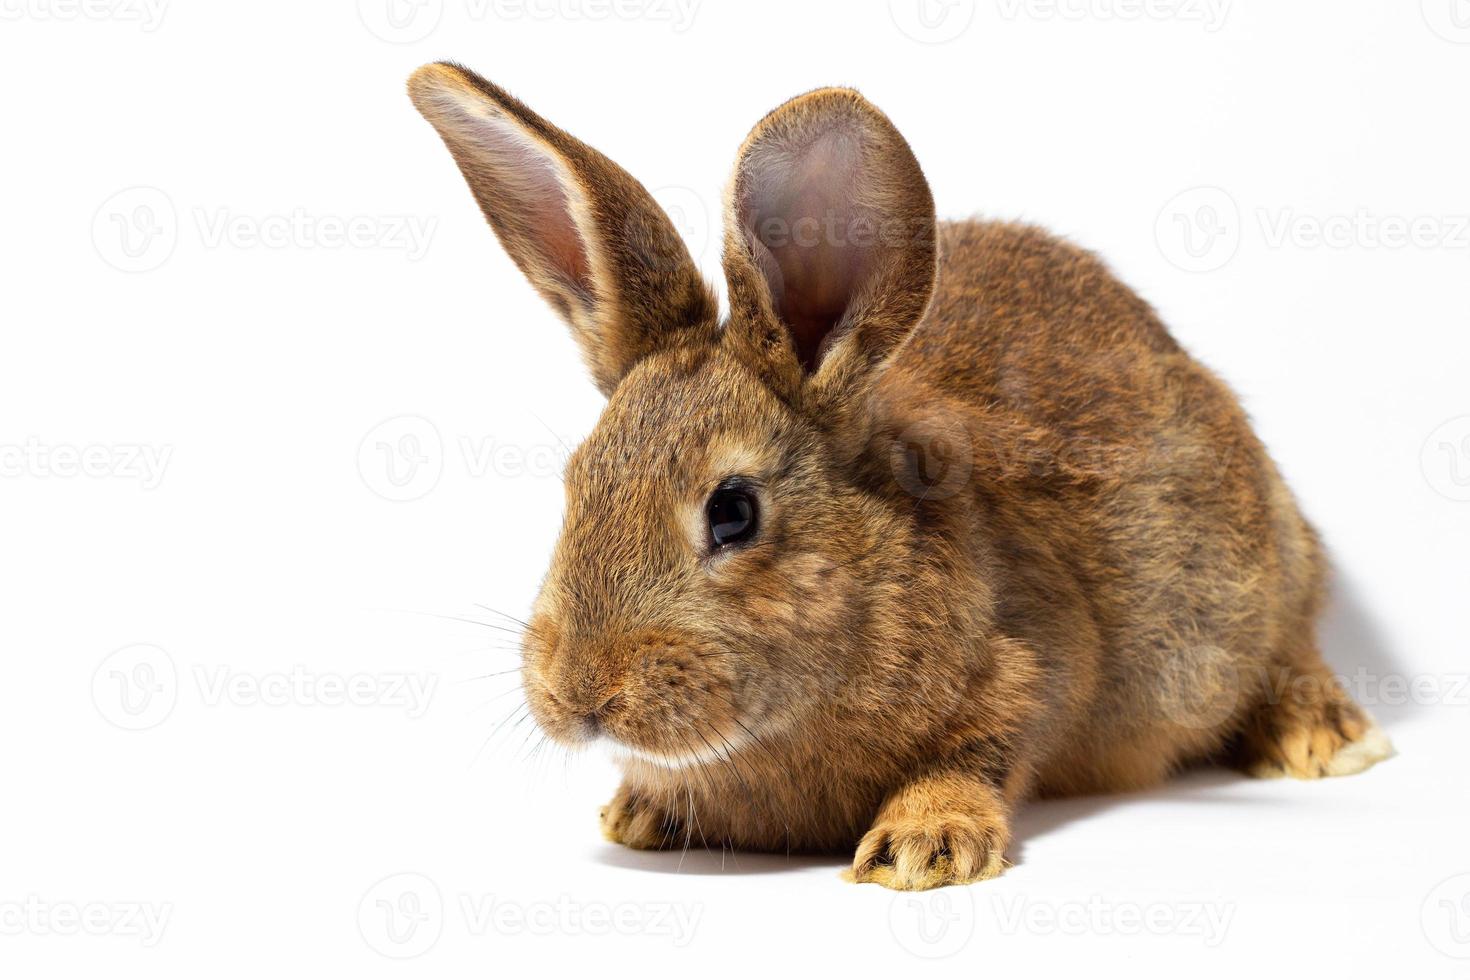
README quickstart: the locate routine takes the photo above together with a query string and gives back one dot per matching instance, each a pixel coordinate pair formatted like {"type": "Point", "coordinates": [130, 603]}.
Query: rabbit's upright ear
{"type": "Point", "coordinates": [829, 241]}
{"type": "Point", "coordinates": [587, 235]}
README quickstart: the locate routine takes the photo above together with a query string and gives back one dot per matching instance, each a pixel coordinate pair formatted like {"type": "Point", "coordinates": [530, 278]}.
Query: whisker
{"type": "Point", "coordinates": [504, 615]}
{"type": "Point", "coordinates": [461, 619]}
{"type": "Point", "coordinates": [497, 673]}
{"type": "Point", "coordinates": [495, 729]}
{"type": "Point", "coordinates": [773, 809]}
{"type": "Point", "coordinates": [493, 698]}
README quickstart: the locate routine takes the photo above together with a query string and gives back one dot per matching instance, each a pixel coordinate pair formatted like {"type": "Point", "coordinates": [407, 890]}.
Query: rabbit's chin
{"type": "Point", "coordinates": [623, 753]}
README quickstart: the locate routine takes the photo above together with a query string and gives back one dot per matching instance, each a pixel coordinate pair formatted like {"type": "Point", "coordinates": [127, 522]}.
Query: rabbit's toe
{"type": "Point", "coordinates": [1312, 730]}
{"type": "Point", "coordinates": [914, 854]}
{"type": "Point", "coordinates": [633, 821]}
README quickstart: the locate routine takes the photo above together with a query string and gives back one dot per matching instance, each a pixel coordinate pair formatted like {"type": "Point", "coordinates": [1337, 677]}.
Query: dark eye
{"type": "Point", "coordinates": [732, 515]}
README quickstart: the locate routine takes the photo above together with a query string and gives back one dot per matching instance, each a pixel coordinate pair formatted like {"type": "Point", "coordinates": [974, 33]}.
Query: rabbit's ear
{"type": "Point", "coordinates": [587, 235]}
{"type": "Point", "coordinates": [829, 240]}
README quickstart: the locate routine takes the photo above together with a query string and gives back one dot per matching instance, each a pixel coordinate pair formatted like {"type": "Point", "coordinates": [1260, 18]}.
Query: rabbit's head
{"type": "Point", "coordinates": [725, 560]}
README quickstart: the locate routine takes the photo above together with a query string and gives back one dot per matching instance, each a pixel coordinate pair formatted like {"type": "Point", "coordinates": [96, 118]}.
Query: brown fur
{"type": "Point", "coordinates": [1013, 540]}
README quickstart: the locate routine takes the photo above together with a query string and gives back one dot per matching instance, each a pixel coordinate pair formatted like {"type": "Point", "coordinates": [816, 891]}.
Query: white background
{"type": "Point", "coordinates": [203, 389]}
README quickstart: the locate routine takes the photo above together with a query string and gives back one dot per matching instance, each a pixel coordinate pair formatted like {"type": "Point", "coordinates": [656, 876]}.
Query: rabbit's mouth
{"type": "Point", "coordinates": [668, 733]}
{"type": "Point", "coordinates": [658, 696]}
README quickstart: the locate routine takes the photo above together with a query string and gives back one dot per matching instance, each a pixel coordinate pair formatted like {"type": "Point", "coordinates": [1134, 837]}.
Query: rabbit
{"type": "Point", "coordinates": [936, 519]}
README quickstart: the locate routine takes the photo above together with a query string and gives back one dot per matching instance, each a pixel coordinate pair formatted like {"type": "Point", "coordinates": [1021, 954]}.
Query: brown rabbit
{"type": "Point", "coordinates": [938, 518]}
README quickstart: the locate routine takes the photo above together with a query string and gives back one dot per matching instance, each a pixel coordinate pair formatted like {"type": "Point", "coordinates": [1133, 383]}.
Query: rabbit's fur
{"type": "Point", "coordinates": [1012, 539]}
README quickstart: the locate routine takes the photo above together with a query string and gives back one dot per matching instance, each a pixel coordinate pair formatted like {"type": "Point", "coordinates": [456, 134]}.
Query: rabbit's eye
{"type": "Point", "coordinates": [732, 515]}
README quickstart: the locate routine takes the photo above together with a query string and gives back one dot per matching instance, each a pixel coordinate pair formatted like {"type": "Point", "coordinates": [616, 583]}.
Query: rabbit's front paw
{"type": "Point", "coordinates": [632, 820]}
{"type": "Point", "coordinates": [916, 847]}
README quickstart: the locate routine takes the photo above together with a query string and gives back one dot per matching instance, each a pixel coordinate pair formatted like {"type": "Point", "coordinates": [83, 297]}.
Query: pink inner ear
{"type": "Point", "coordinates": [529, 192]}
{"type": "Point", "coordinates": [812, 236]}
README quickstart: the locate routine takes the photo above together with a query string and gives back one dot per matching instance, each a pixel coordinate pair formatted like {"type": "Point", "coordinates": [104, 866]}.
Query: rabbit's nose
{"type": "Point", "coordinates": [592, 720]}
{"type": "Point", "coordinates": [586, 709]}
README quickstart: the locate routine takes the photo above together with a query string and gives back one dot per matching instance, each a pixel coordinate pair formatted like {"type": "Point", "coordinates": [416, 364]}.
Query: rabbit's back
{"type": "Point", "coordinates": [1149, 550]}
{"type": "Point", "coordinates": [1024, 319]}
